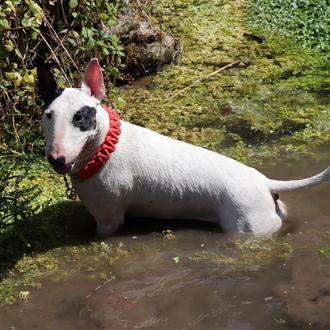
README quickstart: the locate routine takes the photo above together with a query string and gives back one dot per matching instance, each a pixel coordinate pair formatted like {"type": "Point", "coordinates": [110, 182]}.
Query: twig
{"type": "Point", "coordinates": [55, 57]}
{"type": "Point", "coordinates": [16, 28]}
{"type": "Point", "coordinates": [230, 65]}
{"type": "Point", "coordinates": [63, 13]}
{"type": "Point", "coordinates": [15, 129]}
{"type": "Point", "coordinates": [17, 153]}
{"type": "Point", "coordinates": [61, 43]}
{"type": "Point", "coordinates": [138, 7]}
{"type": "Point", "coordinates": [99, 287]}
{"type": "Point", "coordinates": [12, 117]}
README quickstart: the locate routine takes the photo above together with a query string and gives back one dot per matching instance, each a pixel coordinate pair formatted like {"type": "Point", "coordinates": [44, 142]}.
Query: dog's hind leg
{"type": "Point", "coordinates": [281, 209]}
{"type": "Point", "coordinates": [260, 213]}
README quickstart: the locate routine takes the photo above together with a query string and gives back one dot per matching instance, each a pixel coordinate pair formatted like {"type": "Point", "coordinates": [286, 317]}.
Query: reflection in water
{"type": "Point", "coordinates": [234, 286]}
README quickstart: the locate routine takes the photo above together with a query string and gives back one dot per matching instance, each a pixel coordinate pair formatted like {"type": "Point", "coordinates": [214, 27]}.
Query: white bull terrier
{"type": "Point", "coordinates": [121, 169]}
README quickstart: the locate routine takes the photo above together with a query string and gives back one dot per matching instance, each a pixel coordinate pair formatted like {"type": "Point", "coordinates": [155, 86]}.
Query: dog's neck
{"type": "Point", "coordinates": [92, 145]}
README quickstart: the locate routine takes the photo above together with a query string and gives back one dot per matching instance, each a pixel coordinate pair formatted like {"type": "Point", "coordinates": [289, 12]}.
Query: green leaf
{"type": "Point", "coordinates": [34, 35]}
{"type": "Point", "coordinates": [100, 43]}
{"type": "Point", "coordinates": [87, 33]}
{"type": "Point", "coordinates": [10, 5]}
{"type": "Point", "coordinates": [325, 251]}
{"type": "Point", "coordinates": [90, 44]}
{"type": "Point", "coordinates": [4, 23]}
{"type": "Point", "coordinates": [28, 78]}
{"type": "Point", "coordinates": [120, 103]}
{"type": "Point", "coordinates": [18, 53]}
{"type": "Point", "coordinates": [104, 52]}
{"type": "Point", "coordinates": [73, 4]}
{"type": "Point", "coordinates": [15, 77]}
{"type": "Point", "coordinates": [36, 11]}
{"type": "Point", "coordinates": [28, 21]}
{"type": "Point", "coordinates": [103, 16]}
{"type": "Point", "coordinates": [9, 45]}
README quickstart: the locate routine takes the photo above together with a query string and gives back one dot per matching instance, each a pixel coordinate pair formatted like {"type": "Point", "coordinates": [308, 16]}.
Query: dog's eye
{"type": "Point", "coordinates": [78, 117]}
{"type": "Point", "coordinates": [49, 115]}
{"type": "Point", "coordinates": [85, 118]}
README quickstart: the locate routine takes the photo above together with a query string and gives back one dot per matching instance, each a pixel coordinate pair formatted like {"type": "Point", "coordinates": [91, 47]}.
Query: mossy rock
{"type": "Point", "coordinates": [147, 48]}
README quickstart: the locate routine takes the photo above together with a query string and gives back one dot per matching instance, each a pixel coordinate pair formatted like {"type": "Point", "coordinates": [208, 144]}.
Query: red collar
{"type": "Point", "coordinates": [107, 147]}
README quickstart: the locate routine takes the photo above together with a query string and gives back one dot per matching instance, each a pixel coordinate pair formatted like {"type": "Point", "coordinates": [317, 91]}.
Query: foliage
{"type": "Point", "coordinates": [307, 21]}
{"type": "Point", "coordinates": [65, 33]}
{"type": "Point", "coordinates": [15, 199]}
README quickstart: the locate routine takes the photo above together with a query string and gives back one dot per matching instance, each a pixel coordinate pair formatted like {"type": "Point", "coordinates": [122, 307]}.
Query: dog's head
{"type": "Point", "coordinates": [69, 118]}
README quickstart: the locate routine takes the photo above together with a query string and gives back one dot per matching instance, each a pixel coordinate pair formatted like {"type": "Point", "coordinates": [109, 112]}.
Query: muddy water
{"type": "Point", "coordinates": [161, 285]}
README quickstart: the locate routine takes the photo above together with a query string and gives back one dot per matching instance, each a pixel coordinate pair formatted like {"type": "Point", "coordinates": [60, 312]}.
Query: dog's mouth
{"type": "Point", "coordinates": [62, 169]}
{"type": "Point", "coordinates": [59, 164]}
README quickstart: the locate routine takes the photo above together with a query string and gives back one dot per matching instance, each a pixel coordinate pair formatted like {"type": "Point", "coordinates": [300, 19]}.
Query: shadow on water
{"type": "Point", "coordinates": [137, 226]}
{"type": "Point", "coordinates": [63, 224]}
{"type": "Point", "coordinates": [70, 224]}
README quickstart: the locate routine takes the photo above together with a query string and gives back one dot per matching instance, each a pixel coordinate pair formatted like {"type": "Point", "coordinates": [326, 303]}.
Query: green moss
{"type": "Point", "coordinates": [269, 104]}
{"type": "Point", "coordinates": [58, 264]}
{"type": "Point", "coordinates": [53, 188]}
{"type": "Point", "coordinates": [244, 253]}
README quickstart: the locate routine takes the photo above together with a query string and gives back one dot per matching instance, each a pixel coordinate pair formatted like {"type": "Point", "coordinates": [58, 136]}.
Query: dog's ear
{"type": "Point", "coordinates": [47, 88]}
{"type": "Point", "coordinates": [93, 80]}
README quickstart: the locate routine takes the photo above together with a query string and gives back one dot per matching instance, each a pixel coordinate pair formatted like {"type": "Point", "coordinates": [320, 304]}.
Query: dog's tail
{"type": "Point", "coordinates": [276, 186]}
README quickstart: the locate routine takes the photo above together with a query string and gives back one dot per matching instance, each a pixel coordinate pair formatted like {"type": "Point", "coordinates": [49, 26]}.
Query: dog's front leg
{"type": "Point", "coordinates": [106, 207]}
{"type": "Point", "coordinates": [109, 224]}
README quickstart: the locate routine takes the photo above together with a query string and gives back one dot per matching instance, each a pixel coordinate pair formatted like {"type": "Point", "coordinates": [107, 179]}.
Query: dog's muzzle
{"type": "Point", "coordinates": [59, 164]}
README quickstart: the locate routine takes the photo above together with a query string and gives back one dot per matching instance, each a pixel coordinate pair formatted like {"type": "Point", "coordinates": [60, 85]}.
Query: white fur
{"type": "Point", "coordinates": [151, 175]}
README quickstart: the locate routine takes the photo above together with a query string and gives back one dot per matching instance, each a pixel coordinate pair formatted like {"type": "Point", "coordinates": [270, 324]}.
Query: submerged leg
{"type": "Point", "coordinates": [260, 215]}
{"type": "Point", "coordinates": [108, 226]}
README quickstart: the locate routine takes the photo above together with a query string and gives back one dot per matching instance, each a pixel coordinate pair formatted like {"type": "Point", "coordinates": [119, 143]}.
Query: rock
{"type": "Point", "coordinates": [148, 48]}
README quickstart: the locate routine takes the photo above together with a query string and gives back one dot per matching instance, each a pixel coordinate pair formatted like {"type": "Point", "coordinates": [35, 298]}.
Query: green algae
{"type": "Point", "coordinates": [325, 251]}
{"type": "Point", "coordinates": [168, 234]}
{"type": "Point", "coordinates": [246, 253]}
{"type": "Point", "coordinates": [267, 105]}
{"type": "Point", "coordinates": [94, 261]}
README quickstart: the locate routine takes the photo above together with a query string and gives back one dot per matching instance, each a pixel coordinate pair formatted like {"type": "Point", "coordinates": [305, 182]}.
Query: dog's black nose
{"type": "Point", "coordinates": [58, 162]}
